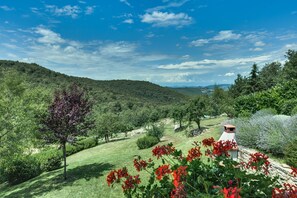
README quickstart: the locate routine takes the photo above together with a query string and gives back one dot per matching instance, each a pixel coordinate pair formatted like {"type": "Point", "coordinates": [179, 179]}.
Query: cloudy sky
{"type": "Point", "coordinates": [167, 42]}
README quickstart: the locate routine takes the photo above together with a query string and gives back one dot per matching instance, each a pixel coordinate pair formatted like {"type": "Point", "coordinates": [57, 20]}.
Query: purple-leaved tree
{"type": "Point", "coordinates": [67, 118]}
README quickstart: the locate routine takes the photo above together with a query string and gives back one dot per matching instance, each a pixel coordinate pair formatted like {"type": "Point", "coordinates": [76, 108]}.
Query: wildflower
{"type": "Point", "coordinates": [288, 190]}
{"type": "Point", "coordinates": [161, 171]}
{"type": "Point", "coordinates": [178, 175]}
{"type": "Point", "coordinates": [159, 151]}
{"type": "Point", "coordinates": [194, 153]}
{"type": "Point", "coordinates": [140, 164]}
{"type": "Point", "coordinates": [111, 177]}
{"type": "Point", "coordinates": [131, 182]}
{"type": "Point", "coordinates": [208, 141]}
{"type": "Point", "coordinates": [294, 171]}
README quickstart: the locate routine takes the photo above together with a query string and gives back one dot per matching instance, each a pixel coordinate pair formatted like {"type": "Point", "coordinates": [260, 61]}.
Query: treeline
{"type": "Point", "coordinates": [273, 86]}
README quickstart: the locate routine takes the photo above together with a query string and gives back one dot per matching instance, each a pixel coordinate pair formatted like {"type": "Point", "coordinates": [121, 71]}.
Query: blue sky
{"type": "Point", "coordinates": [167, 42]}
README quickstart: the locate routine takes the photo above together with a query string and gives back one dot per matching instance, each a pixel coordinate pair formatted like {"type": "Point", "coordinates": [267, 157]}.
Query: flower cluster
{"type": "Point", "coordinates": [181, 177]}
{"type": "Point", "coordinates": [288, 190]}
{"type": "Point", "coordinates": [231, 192]}
{"type": "Point", "coordinates": [222, 147]}
{"type": "Point", "coordinates": [259, 161]}
{"type": "Point", "coordinates": [140, 164]}
{"type": "Point", "coordinates": [208, 141]}
{"type": "Point", "coordinates": [294, 171]}
{"type": "Point", "coordinates": [161, 171]}
{"type": "Point", "coordinates": [159, 151]}
{"type": "Point", "coordinates": [194, 153]}
{"type": "Point", "coordinates": [117, 175]}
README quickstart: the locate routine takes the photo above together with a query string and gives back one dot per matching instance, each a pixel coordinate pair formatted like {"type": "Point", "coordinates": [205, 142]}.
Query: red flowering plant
{"type": "Point", "coordinates": [213, 174]}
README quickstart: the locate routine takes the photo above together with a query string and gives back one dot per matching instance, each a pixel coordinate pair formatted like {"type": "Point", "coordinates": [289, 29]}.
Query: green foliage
{"type": "Point", "coordinates": [49, 159]}
{"type": "Point", "coordinates": [290, 152]}
{"type": "Point", "coordinates": [147, 142]}
{"type": "Point", "coordinates": [81, 145]}
{"type": "Point", "coordinates": [294, 111]}
{"type": "Point", "coordinates": [155, 130]}
{"type": "Point", "coordinates": [19, 169]}
{"type": "Point", "coordinates": [196, 110]}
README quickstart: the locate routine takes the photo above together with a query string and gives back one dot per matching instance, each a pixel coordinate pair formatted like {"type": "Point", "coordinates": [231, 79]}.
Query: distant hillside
{"type": "Point", "coordinates": [194, 91]}
{"type": "Point", "coordinates": [104, 91]}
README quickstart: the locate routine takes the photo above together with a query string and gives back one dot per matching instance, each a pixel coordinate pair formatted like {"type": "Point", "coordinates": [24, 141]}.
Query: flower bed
{"type": "Point", "coordinates": [181, 175]}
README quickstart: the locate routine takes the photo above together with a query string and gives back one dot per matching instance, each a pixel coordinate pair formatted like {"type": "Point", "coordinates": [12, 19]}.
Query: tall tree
{"type": "Point", "coordinates": [269, 75]}
{"type": "Point", "coordinates": [254, 84]}
{"type": "Point", "coordinates": [67, 117]}
{"type": "Point", "coordinates": [239, 87]}
{"type": "Point", "coordinates": [196, 110]}
{"type": "Point", "coordinates": [178, 113]}
{"type": "Point", "coordinates": [290, 67]}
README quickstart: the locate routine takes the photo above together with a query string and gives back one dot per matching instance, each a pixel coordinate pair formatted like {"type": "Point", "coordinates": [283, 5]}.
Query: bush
{"type": "Point", "coordinates": [147, 142]}
{"type": "Point", "coordinates": [294, 111]}
{"type": "Point", "coordinates": [81, 145]}
{"type": "Point", "coordinates": [290, 152]}
{"type": "Point", "coordinates": [50, 159]}
{"type": "Point", "coordinates": [155, 131]}
{"type": "Point", "coordinates": [20, 169]}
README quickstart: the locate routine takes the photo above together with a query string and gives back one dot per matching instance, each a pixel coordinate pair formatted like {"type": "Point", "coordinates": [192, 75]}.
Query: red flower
{"type": "Point", "coordinates": [178, 175]}
{"type": "Point", "coordinates": [294, 171]}
{"type": "Point", "coordinates": [179, 192]}
{"type": "Point", "coordinates": [222, 147]}
{"type": "Point", "coordinates": [116, 175]}
{"type": "Point", "coordinates": [259, 161]}
{"type": "Point", "coordinates": [130, 182]}
{"type": "Point", "coordinates": [159, 151]}
{"type": "Point", "coordinates": [232, 192]}
{"type": "Point", "coordinates": [140, 164]}
{"type": "Point", "coordinates": [208, 141]}
{"type": "Point", "coordinates": [288, 190]}
{"type": "Point", "coordinates": [194, 153]}
{"type": "Point", "coordinates": [161, 171]}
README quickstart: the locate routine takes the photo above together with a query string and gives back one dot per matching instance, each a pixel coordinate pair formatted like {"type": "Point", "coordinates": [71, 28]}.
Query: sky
{"type": "Point", "coordinates": [167, 42]}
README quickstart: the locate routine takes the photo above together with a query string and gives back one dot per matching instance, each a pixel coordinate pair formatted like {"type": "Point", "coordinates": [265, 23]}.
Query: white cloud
{"type": "Point", "coordinates": [89, 10]}
{"type": "Point", "coordinates": [6, 8]}
{"type": "Point", "coordinates": [226, 35]}
{"type": "Point", "coordinates": [229, 74]}
{"type": "Point", "coordinates": [48, 36]}
{"type": "Point", "coordinates": [199, 42]}
{"type": "Point", "coordinates": [214, 64]}
{"type": "Point", "coordinates": [67, 10]}
{"type": "Point", "coordinates": [126, 2]}
{"type": "Point", "coordinates": [164, 19]}
{"type": "Point", "coordinates": [259, 44]}
{"type": "Point", "coordinates": [118, 49]}
{"type": "Point", "coordinates": [173, 4]}
{"type": "Point", "coordinates": [256, 49]}
{"type": "Point", "coordinates": [129, 21]}
{"type": "Point", "coordinates": [187, 56]}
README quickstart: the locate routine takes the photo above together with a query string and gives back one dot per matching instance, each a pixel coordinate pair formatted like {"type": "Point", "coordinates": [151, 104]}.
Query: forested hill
{"type": "Point", "coordinates": [105, 91]}
{"type": "Point", "coordinates": [195, 91]}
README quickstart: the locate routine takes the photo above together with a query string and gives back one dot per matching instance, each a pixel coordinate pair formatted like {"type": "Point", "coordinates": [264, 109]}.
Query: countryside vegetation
{"type": "Point", "coordinates": [64, 136]}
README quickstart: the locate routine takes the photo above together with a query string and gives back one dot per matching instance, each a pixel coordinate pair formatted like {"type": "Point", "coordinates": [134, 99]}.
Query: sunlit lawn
{"type": "Point", "coordinates": [87, 169]}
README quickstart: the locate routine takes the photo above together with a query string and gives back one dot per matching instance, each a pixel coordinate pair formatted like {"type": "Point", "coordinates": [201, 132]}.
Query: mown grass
{"type": "Point", "coordinates": [87, 169]}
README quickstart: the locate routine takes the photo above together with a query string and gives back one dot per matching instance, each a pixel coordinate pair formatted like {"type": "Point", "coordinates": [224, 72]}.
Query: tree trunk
{"type": "Point", "coordinates": [198, 123]}
{"type": "Point", "coordinates": [180, 124]}
{"type": "Point", "coordinates": [64, 157]}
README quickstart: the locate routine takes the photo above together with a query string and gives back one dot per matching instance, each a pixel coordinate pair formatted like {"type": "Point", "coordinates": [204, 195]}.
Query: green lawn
{"type": "Point", "coordinates": [87, 169]}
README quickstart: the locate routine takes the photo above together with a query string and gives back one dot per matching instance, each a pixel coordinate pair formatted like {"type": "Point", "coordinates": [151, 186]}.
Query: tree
{"type": "Point", "coordinates": [239, 87]}
{"type": "Point", "coordinates": [290, 67]}
{"type": "Point", "coordinates": [270, 75]}
{"type": "Point", "coordinates": [67, 117]}
{"type": "Point", "coordinates": [195, 110]}
{"type": "Point", "coordinates": [253, 82]}
{"type": "Point", "coordinates": [178, 113]}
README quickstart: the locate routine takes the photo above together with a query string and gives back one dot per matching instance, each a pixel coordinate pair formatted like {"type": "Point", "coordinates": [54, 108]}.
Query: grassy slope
{"type": "Point", "coordinates": [87, 169]}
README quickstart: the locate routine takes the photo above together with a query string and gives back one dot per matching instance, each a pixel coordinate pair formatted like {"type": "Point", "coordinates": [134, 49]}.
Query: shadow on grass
{"type": "Point", "coordinates": [54, 180]}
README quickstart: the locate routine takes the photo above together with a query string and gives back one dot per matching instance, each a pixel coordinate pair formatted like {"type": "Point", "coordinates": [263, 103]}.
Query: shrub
{"type": "Point", "coordinates": [294, 111]}
{"type": "Point", "coordinates": [155, 131]}
{"type": "Point", "coordinates": [290, 152]}
{"type": "Point", "coordinates": [20, 169]}
{"type": "Point", "coordinates": [49, 159]}
{"type": "Point", "coordinates": [81, 145]}
{"type": "Point", "coordinates": [147, 142]}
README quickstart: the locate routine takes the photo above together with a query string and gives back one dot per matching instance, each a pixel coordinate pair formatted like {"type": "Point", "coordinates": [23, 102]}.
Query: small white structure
{"type": "Point", "coordinates": [229, 134]}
